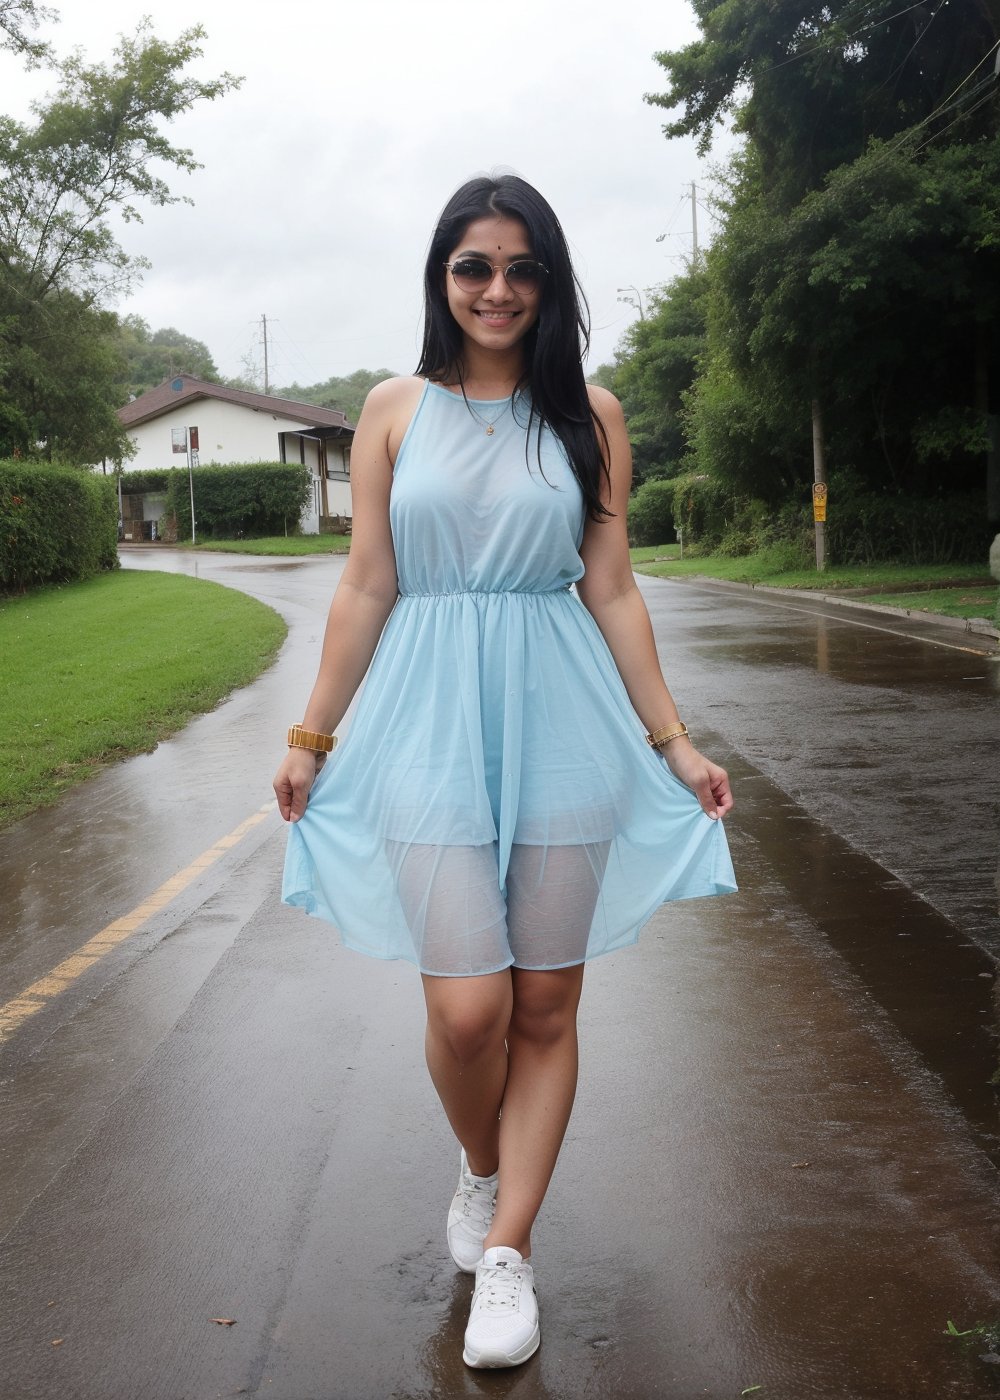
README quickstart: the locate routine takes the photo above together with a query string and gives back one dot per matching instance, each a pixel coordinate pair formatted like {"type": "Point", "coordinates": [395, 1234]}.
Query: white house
{"type": "Point", "coordinates": [217, 426]}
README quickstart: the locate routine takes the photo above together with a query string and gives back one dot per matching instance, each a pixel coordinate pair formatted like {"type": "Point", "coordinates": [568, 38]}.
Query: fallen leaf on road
{"type": "Point", "coordinates": [225, 1321]}
{"type": "Point", "coordinates": [57, 1341]}
{"type": "Point", "coordinates": [801, 1164]}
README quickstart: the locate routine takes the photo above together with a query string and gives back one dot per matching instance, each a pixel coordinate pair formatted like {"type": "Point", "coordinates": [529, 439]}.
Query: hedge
{"type": "Point", "coordinates": [246, 499]}
{"type": "Point", "coordinates": [56, 524]}
{"type": "Point", "coordinates": [863, 526]}
{"type": "Point", "coordinates": [140, 483]}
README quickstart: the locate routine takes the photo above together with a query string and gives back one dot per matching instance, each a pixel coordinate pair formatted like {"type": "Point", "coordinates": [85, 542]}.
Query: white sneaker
{"type": "Point", "coordinates": [470, 1217]}
{"type": "Point", "coordinates": [503, 1325]}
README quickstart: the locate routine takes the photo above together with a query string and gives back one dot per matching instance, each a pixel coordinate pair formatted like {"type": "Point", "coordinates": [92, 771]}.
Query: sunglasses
{"type": "Point", "coordinates": [474, 274]}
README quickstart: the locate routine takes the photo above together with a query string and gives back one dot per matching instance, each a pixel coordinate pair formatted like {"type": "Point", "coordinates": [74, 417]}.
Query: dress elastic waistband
{"type": "Point", "coordinates": [487, 592]}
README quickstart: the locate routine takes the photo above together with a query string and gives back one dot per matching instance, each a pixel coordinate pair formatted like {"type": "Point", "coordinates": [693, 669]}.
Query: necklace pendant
{"type": "Point", "coordinates": [489, 429]}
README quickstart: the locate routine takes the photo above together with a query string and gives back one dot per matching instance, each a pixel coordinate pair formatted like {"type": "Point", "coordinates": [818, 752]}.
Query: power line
{"type": "Point", "coordinates": [947, 104]}
{"type": "Point", "coordinates": [837, 41]}
{"type": "Point", "coordinates": [916, 43]}
{"type": "Point", "coordinates": [954, 122]}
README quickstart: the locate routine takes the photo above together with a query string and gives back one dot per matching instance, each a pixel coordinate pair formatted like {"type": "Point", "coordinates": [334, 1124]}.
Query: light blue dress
{"type": "Point", "coordinates": [494, 801]}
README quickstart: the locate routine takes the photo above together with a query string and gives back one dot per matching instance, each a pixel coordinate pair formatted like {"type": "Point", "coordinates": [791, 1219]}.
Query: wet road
{"type": "Point", "coordinates": [781, 1170]}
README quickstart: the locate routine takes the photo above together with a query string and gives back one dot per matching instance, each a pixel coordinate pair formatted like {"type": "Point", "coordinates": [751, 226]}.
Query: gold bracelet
{"type": "Point", "coordinates": [299, 738]}
{"type": "Point", "coordinates": [660, 738]}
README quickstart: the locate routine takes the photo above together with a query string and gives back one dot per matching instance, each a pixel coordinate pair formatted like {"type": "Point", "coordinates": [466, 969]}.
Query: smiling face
{"type": "Point", "coordinates": [494, 317]}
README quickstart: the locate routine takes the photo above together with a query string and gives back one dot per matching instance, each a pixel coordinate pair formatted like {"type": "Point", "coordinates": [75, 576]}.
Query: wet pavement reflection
{"type": "Point", "coordinates": [781, 1172]}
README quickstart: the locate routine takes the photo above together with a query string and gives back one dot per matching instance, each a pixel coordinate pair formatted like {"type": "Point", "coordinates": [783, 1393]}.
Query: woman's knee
{"type": "Point", "coordinates": [546, 1004]}
{"type": "Point", "coordinates": [468, 1016]}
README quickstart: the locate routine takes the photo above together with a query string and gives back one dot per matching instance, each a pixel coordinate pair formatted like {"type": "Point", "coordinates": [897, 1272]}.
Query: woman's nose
{"type": "Point", "coordinates": [498, 290]}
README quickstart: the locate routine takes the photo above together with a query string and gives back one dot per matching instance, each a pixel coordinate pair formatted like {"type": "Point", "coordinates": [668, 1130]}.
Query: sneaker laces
{"type": "Point", "coordinates": [478, 1202]}
{"type": "Point", "coordinates": [499, 1287]}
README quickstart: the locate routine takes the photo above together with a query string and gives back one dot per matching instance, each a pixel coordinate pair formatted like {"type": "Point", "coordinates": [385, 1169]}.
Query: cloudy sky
{"type": "Point", "coordinates": [324, 173]}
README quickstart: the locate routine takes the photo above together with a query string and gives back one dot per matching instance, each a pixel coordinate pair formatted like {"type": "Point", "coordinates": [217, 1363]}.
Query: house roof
{"type": "Point", "coordinates": [185, 388]}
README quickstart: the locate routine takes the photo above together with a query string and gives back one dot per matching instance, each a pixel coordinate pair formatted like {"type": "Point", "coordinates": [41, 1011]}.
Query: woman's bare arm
{"type": "Point", "coordinates": [608, 590]}
{"type": "Point", "coordinates": [368, 587]}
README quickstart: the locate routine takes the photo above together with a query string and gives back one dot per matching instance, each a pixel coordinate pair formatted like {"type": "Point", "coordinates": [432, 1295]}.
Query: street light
{"type": "Point", "coordinates": [635, 301]}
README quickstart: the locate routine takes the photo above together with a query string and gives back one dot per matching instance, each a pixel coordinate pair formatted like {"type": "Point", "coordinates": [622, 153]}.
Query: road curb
{"type": "Point", "coordinates": [969, 626]}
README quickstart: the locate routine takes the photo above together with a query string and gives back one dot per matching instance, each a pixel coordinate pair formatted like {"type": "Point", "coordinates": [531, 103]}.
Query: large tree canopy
{"type": "Point", "coordinates": [855, 282]}
{"type": "Point", "coordinates": [811, 82]}
{"type": "Point", "coordinates": [84, 161]}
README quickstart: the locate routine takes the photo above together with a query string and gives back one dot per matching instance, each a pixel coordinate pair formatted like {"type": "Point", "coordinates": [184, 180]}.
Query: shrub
{"type": "Point", "coordinates": [868, 527]}
{"type": "Point", "coordinates": [56, 524]}
{"type": "Point", "coordinates": [651, 513]}
{"type": "Point", "coordinates": [246, 499]}
{"type": "Point", "coordinates": [140, 483]}
{"type": "Point", "coordinates": [703, 508]}
{"type": "Point", "coordinates": [863, 526]}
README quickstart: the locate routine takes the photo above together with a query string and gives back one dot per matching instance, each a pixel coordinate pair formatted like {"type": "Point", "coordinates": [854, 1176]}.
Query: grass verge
{"type": "Point", "coordinates": [100, 670]}
{"type": "Point", "coordinates": [276, 544]}
{"type": "Point", "coordinates": [956, 590]}
{"type": "Point", "coordinates": [948, 602]}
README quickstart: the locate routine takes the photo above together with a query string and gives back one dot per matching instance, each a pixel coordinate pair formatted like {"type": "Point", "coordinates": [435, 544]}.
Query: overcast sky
{"type": "Point", "coordinates": [324, 173]}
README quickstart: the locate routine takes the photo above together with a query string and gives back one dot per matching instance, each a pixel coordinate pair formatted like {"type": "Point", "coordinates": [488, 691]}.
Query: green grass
{"type": "Point", "coordinates": [99, 670]}
{"type": "Point", "coordinates": [648, 554]}
{"type": "Point", "coordinates": [951, 602]}
{"type": "Point", "coordinates": [957, 590]}
{"type": "Point", "coordinates": [276, 544]}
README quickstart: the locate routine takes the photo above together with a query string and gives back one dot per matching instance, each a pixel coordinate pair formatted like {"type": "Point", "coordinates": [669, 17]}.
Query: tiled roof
{"type": "Point", "coordinates": [184, 388]}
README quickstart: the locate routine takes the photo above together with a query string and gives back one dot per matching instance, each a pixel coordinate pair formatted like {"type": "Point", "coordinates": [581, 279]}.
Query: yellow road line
{"type": "Point", "coordinates": [16, 1011]}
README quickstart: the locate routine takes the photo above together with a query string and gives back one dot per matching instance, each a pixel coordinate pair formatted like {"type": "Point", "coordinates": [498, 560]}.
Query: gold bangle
{"type": "Point", "coordinates": [299, 738]}
{"type": "Point", "coordinates": [660, 738]}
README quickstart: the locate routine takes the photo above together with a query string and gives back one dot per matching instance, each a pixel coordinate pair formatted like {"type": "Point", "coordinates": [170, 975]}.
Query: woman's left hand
{"type": "Point", "coordinates": [708, 782]}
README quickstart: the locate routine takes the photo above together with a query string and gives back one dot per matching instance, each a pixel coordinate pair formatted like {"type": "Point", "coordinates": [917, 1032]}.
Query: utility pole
{"type": "Point", "coordinates": [694, 224]}
{"type": "Point", "coordinates": [819, 491]}
{"type": "Point", "coordinates": [263, 322]}
{"type": "Point", "coordinates": [190, 460]}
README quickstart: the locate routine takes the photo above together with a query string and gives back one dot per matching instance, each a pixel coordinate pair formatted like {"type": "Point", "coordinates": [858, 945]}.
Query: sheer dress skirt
{"type": "Point", "coordinates": [494, 802]}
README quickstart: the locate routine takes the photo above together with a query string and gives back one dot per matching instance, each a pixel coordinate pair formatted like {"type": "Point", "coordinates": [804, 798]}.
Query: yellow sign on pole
{"type": "Point", "coordinates": [819, 502]}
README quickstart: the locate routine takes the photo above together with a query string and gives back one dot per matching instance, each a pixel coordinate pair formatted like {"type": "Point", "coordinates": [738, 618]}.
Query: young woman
{"type": "Point", "coordinates": [517, 793]}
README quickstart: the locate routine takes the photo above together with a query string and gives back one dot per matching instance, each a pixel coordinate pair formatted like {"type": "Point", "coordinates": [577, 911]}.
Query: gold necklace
{"type": "Point", "coordinates": [490, 423]}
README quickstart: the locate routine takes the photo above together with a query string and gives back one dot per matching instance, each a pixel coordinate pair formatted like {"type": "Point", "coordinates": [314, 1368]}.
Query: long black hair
{"type": "Point", "coordinates": [556, 344]}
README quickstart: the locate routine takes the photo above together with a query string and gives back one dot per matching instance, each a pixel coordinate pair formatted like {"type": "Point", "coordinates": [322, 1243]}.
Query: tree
{"type": "Point", "coordinates": [811, 82]}
{"type": "Point", "coordinates": [86, 157]}
{"type": "Point", "coordinates": [17, 18]}
{"type": "Point", "coordinates": [855, 280]}
{"type": "Point", "coordinates": [348, 394]}
{"type": "Point", "coordinates": [603, 376]}
{"type": "Point", "coordinates": [659, 359]}
{"type": "Point", "coordinates": [59, 368]}
{"type": "Point", "coordinates": [153, 356]}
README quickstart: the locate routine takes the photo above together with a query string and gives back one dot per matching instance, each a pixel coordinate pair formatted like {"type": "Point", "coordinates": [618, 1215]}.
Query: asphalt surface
{"type": "Point", "coordinates": [781, 1171]}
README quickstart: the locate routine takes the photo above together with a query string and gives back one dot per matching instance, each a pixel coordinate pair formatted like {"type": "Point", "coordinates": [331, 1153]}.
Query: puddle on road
{"type": "Point", "coordinates": [854, 655]}
{"type": "Point", "coordinates": [937, 988]}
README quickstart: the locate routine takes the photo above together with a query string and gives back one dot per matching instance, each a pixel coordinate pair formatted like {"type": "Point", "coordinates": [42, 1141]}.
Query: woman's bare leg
{"type": "Point", "coordinates": [538, 1097]}
{"type": "Point", "coordinates": [467, 1027]}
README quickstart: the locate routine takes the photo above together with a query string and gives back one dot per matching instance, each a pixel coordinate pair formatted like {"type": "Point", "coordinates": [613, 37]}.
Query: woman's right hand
{"type": "Point", "coordinates": [293, 781]}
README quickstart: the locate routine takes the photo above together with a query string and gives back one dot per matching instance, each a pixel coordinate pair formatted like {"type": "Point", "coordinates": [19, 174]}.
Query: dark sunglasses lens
{"type": "Point", "coordinates": [472, 273]}
{"type": "Point", "coordinates": [524, 276]}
